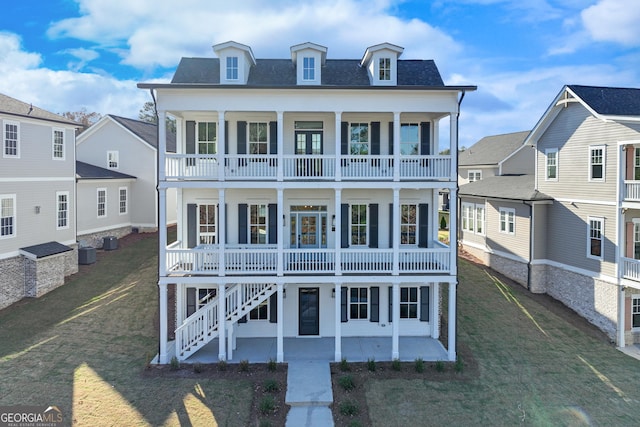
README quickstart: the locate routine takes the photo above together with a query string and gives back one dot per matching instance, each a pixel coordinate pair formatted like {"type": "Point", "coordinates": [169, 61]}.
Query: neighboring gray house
{"type": "Point", "coordinates": [496, 155]}
{"type": "Point", "coordinates": [126, 199]}
{"type": "Point", "coordinates": [37, 201]}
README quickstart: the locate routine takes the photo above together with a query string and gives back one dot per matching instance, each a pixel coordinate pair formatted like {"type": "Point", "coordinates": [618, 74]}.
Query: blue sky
{"type": "Point", "coordinates": [66, 55]}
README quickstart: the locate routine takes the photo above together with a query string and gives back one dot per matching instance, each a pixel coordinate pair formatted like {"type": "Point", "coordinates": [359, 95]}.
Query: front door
{"type": "Point", "coordinates": [309, 311]}
{"type": "Point", "coordinates": [308, 230]}
{"type": "Point", "coordinates": [309, 143]}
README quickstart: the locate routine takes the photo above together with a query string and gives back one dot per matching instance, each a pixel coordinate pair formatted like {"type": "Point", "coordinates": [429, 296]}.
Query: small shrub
{"type": "Point", "coordinates": [396, 365]}
{"type": "Point", "coordinates": [419, 365]}
{"type": "Point", "coordinates": [244, 365]}
{"type": "Point", "coordinates": [267, 404]}
{"type": "Point", "coordinates": [174, 365]}
{"type": "Point", "coordinates": [371, 364]}
{"type": "Point", "coordinates": [222, 365]}
{"type": "Point", "coordinates": [344, 365]}
{"type": "Point", "coordinates": [349, 408]}
{"type": "Point", "coordinates": [443, 223]}
{"type": "Point", "coordinates": [459, 365]}
{"type": "Point", "coordinates": [197, 367]}
{"type": "Point", "coordinates": [271, 386]}
{"type": "Point", "coordinates": [346, 382]}
{"type": "Point", "coordinates": [272, 365]}
{"type": "Point", "coordinates": [439, 366]}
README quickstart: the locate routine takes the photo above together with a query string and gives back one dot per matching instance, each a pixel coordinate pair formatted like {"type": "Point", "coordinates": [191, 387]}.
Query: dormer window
{"type": "Point", "coordinates": [232, 68]}
{"type": "Point", "coordinates": [309, 68]}
{"type": "Point", "coordinates": [385, 68]}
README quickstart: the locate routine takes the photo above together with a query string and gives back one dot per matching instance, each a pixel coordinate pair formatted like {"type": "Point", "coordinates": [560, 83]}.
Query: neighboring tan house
{"type": "Point", "coordinates": [128, 148]}
{"type": "Point", "coordinates": [496, 155]}
{"type": "Point", "coordinates": [310, 178]}
{"type": "Point", "coordinates": [37, 201]}
{"type": "Point", "coordinates": [587, 241]}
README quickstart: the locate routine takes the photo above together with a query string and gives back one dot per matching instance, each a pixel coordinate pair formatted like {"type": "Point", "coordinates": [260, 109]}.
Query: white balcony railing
{"type": "Point", "coordinates": [632, 191]}
{"type": "Point", "coordinates": [631, 269]}
{"type": "Point", "coordinates": [316, 167]}
{"type": "Point", "coordinates": [369, 260]}
{"type": "Point", "coordinates": [309, 260]}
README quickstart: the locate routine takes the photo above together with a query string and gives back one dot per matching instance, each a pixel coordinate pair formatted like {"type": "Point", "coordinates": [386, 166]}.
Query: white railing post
{"type": "Point", "coordinates": [221, 230]}
{"type": "Point", "coordinates": [220, 146]}
{"type": "Point", "coordinates": [396, 147]}
{"type": "Point", "coordinates": [163, 357]}
{"type": "Point", "coordinates": [338, 232]}
{"type": "Point", "coordinates": [338, 146]}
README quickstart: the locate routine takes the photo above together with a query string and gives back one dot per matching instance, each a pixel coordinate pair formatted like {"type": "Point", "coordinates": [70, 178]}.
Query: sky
{"type": "Point", "coordinates": [70, 55]}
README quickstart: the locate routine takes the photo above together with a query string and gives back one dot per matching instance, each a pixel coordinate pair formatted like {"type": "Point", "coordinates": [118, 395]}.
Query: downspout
{"type": "Point", "coordinates": [155, 110]}
{"type": "Point", "coordinates": [457, 219]}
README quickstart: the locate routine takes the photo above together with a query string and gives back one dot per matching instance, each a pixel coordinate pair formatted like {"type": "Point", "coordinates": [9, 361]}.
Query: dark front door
{"type": "Point", "coordinates": [309, 311]}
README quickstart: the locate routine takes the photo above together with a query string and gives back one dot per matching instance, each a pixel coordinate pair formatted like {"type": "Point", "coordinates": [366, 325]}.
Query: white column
{"type": "Point", "coordinates": [162, 231]}
{"type": "Point", "coordinates": [180, 225]}
{"type": "Point", "coordinates": [451, 346]}
{"type": "Point", "coordinates": [230, 341]}
{"type": "Point", "coordinates": [280, 325]}
{"type": "Point", "coordinates": [162, 145]}
{"type": "Point", "coordinates": [396, 232]}
{"type": "Point", "coordinates": [338, 147]}
{"type": "Point", "coordinates": [283, 229]}
{"type": "Point", "coordinates": [395, 328]}
{"type": "Point", "coordinates": [396, 146]}
{"type": "Point", "coordinates": [338, 321]}
{"type": "Point", "coordinates": [280, 148]}
{"type": "Point", "coordinates": [434, 306]}
{"type": "Point", "coordinates": [222, 321]}
{"type": "Point", "coordinates": [220, 143]}
{"type": "Point", "coordinates": [338, 232]}
{"type": "Point", "coordinates": [621, 316]}
{"type": "Point", "coordinates": [453, 144]}
{"type": "Point", "coordinates": [222, 237]}
{"type": "Point", "coordinates": [163, 357]}
{"type": "Point", "coordinates": [453, 232]}
{"type": "Point", "coordinates": [180, 312]}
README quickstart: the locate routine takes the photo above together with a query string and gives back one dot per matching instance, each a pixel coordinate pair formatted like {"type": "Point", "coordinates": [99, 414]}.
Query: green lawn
{"type": "Point", "coordinates": [84, 346]}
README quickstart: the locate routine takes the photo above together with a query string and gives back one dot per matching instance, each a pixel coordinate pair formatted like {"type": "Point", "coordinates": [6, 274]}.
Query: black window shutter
{"type": "Point", "coordinates": [373, 225]}
{"type": "Point", "coordinates": [192, 225]}
{"type": "Point", "coordinates": [191, 301]}
{"type": "Point", "coordinates": [344, 232]}
{"type": "Point", "coordinates": [375, 304]}
{"type": "Point", "coordinates": [190, 141]}
{"type": "Point", "coordinates": [390, 304]}
{"type": "Point", "coordinates": [242, 138]}
{"type": "Point", "coordinates": [226, 221]}
{"type": "Point", "coordinates": [375, 138]}
{"type": "Point", "coordinates": [273, 137]}
{"type": "Point", "coordinates": [391, 225]}
{"type": "Point", "coordinates": [242, 223]}
{"type": "Point", "coordinates": [390, 138]}
{"type": "Point", "coordinates": [343, 304]}
{"type": "Point", "coordinates": [226, 137]}
{"type": "Point", "coordinates": [273, 308]}
{"type": "Point", "coordinates": [273, 223]}
{"type": "Point", "coordinates": [425, 138]}
{"type": "Point", "coordinates": [423, 228]}
{"type": "Point", "coordinates": [344, 138]}
{"type": "Point", "coordinates": [424, 303]}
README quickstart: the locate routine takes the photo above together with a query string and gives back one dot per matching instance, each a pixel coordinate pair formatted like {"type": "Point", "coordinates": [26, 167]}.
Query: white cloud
{"type": "Point", "coordinates": [12, 57]}
{"type": "Point", "coordinates": [614, 21]}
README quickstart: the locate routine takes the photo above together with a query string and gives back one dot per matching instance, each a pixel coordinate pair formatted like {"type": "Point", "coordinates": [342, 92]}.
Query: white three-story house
{"type": "Point", "coordinates": [307, 193]}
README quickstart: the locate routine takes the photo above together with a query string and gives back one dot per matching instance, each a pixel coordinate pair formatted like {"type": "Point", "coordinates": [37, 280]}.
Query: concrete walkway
{"type": "Point", "coordinates": [309, 394]}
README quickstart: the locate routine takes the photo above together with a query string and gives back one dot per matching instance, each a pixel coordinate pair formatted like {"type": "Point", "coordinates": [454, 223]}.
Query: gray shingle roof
{"type": "Point", "coordinates": [15, 107]}
{"type": "Point", "coordinates": [510, 187]}
{"type": "Point", "coordinates": [46, 249]}
{"type": "Point", "coordinates": [281, 72]}
{"type": "Point", "coordinates": [146, 131]}
{"type": "Point", "coordinates": [491, 150]}
{"type": "Point", "coordinates": [610, 101]}
{"type": "Point", "coordinates": [88, 171]}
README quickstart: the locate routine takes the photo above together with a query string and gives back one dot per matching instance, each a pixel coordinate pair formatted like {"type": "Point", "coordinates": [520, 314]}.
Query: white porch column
{"type": "Point", "coordinates": [283, 228]}
{"type": "Point", "coordinates": [396, 147]}
{"type": "Point", "coordinates": [395, 328]}
{"type": "Point", "coordinates": [222, 321]}
{"type": "Point", "coordinates": [280, 325]}
{"type": "Point", "coordinates": [338, 321]}
{"type": "Point", "coordinates": [396, 232]}
{"type": "Point", "coordinates": [621, 316]}
{"type": "Point", "coordinates": [451, 346]}
{"type": "Point", "coordinates": [162, 145]}
{"type": "Point", "coordinates": [180, 226]}
{"type": "Point", "coordinates": [338, 232]}
{"type": "Point", "coordinates": [163, 357]}
{"type": "Point", "coordinates": [338, 147]}
{"type": "Point", "coordinates": [453, 147]}
{"type": "Point", "coordinates": [230, 341]}
{"type": "Point", "coordinates": [221, 145]}
{"type": "Point", "coordinates": [434, 304]}
{"type": "Point", "coordinates": [280, 143]}
{"type": "Point", "coordinates": [221, 230]}
{"type": "Point", "coordinates": [180, 312]}
{"type": "Point", "coordinates": [453, 232]}
{"type": "Point", "coordinates": [162, 231]}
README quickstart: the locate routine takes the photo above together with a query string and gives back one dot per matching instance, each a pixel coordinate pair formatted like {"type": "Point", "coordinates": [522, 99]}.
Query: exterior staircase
{"type": "Point", "coordinates": [203, 326]}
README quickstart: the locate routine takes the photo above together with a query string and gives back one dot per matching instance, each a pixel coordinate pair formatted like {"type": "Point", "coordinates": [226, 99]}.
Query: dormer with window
{"type": "Point", "coordinates": [308, 58]}
{"type": "Point", "coordinates": [236, 61]}
{"type": "Point", "coordinates": [381, 62]}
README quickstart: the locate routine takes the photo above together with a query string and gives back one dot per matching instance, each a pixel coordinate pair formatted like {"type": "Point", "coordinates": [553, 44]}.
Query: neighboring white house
{"type": "Point", "coordinates": [312, 179]}
{"type": "Point", "coordinates": [37, 200]}
{"type": "Point", "coordinates": [125, 147]}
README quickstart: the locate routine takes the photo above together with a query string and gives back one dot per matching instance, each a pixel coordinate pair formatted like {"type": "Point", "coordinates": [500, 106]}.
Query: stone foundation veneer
{"type": "Point", "coordinates": [95, 240]}
{"type": "Point", "coordinates": [12, 279]}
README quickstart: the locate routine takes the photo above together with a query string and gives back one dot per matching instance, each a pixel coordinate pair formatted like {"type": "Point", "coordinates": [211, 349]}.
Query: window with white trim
{"type": "Point", "coordinates": [261, 312]}
{"type": "Point", "coordinates": [113, 159]}
{"type": "Point", "coordinates": [596, 163]}
{"type": "Point", "coordinates": [359, 225]}
{"type": "Point", "coordinates": [635, 311]}
{"type": "Point", "coordinates": [358, 303]}
{"type": "Point", "coordinates": [479, 216]}
{"type": "Point", "coordinates": [595, 239]}
{"type": "Point", "coordinates": [122, 194]}
{"type": "Point", "coordinates": [359, 139]}
{"type": "Point", "coordinates": [258, 138]}
{"type": "Point", "coordinates": [409, 139]}
{"type": "Point", "coordinates": [11, 139]}
{"type": "Point", "coordinates": [207, 138]}
{"type": "Point", "coordinates": [58, 144]}
{"type": "Point", "coordinates": [7, 216]}
{"type": "Point", "coordinates": [309, 68]}
{"type": "Point", "coordinates": [258, 221]}
{"type": "Point", "coordinates": [507, 221]}
{"type": "Point", "coordinates": [384, 65]}
{"type": "Point", "coordinates": [408, 224]}
{"type": "Point", "coordinates": [102, 202]}
{"type": "Point", "coordinates": [636, 164]}
{"type": "Point", "coordinates": [207, 228]}
{"type": "Point", "coordinates": [62, 210]}
{"type": "Point", "coordinates": [232, 68]}
{"type": "Point", "coordinates": [473, 217]}
{"type": "Point", "coordinates": [409, 302]}
{"type": "Point", "coordinates": [551, 164]}
{"type": "Point", "coordinates": [474, 175]}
